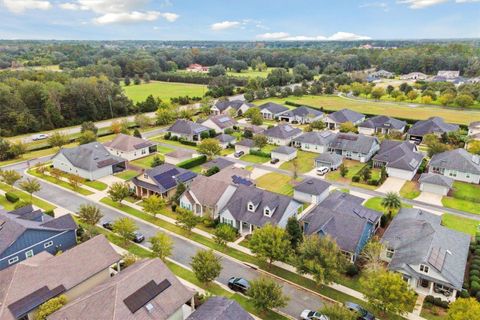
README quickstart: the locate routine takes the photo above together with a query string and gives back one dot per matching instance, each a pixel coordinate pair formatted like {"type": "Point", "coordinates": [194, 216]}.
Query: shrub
{"type": "Point", "coordinates": [475, 273]}
{"type": "Point", "coordinates": [356, 179]}
{"type": "Point", "coordinates": [373, 182]}
{"type": "Point", "coordinates": [190, 163]}
{"type": "Point", "coordinates": [429, 299]}
{"type": "Point", "coordinates": [167, 136]}
{"type": "Point", "coordinates": [352, 270]}
{"type": "Point", "coordinates": [474, 287]}
{"type": "Point", "coordinates": [174, 138]}
{"type": "Point", "coordinates": [475, 279]}
{"type": "Point", "coordinates": [260, 153]}
{"type": "Point", "coordinates": [188, 143]}
{"type": "Point", "coordinates": [50, 213]}
{"type": "Point", "coordinates": [11, 197]}
{"type": "Point", "coordinates": [20, 204]}
{"type": "Point", "coordinates": [464, 294]}
{"type": "Point", "coordinates": [174, 207]}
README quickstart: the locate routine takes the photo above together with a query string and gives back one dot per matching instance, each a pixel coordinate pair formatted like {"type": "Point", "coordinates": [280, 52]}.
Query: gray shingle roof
{"type": "Point", "coordinates": [166, 177]}
{"type": "Point", "coordinates": [223, 121]}
{"type": "Point", "coordinates": [330, 158]}
{"type": "Point", "coordinates": [285, 150]}
{"type": "Point", "coordinates": [437, 179]}
{"type": "Point", "coordinates": [431, 125]}
{"type": "Point", "coordinates": [458, 159]}
{"type": "Point", "coordinates": [346, 115]}
{"type": "Point", "coordinates": [474, 125]}
{"type": "Point", "coordinates": [127, 143]}
{"type": "Point", "coordinates": [220, 308]}
{"type": "Point", "coordinates": [246, 143]}
{"type": "Point", "coordinates": [235, 104]}
{"type": "Point", "coordinates": [220, 162]}
{"type": "Point", "coordinates": [303, 112]}
{"type": "Point", "coordinates": [354, 142]}
{"type": "Point", "coordinates": [223, 137]}
{"type": "Point", "coordinates": [417, 236]}
{"type": "Point", "coordinates": [187, 127]}
{"type": "Point", "coordinates": [91, 156]}
{"type": "Point", "coordinates": [312, 186]}
{"type": "Point", "coordinates": [399, 155]}
{"type": "Point", "coordinates": [383, 122]}
{"type": "Point", "coordinates": [322, 138]}
{"type": "Point", "coordinates": [274, 108]}
{"type": "Point", "coordinates": [282, 131]}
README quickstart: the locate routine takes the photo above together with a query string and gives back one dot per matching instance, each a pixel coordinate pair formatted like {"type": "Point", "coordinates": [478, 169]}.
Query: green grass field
{"type": "Point", "coordinates": [163, 90]}
{"type": "Point", "coordinates": [250, 73]}
{"type": "Point", "coordinates": [461, 224]}
{"type": "Point", "coordinates": [410, 190]}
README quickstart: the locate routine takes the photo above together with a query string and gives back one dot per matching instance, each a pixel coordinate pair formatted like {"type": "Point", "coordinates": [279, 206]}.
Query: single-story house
{"type": "Point", "coordinates": [301, 115]}
{"type": "Point", "coordinates": [400, 158]}
{"type": "Point", "coordinates": [162, 181]}
{"type": "Point", "coordinates": [145, 290]}
{"type": "Point", "coordinates": [90, 161]}
{"type": "Point", "coordinates": [314, 141]}
{"type": "Point", "coordinates": [225, 140]}
{"type": "Point", "coordinates": [234, 175]}
{"type": "Point", "coordinates": [220, 123]}
{"type": "Point", "coordinates": [474, 130]}
{"type": "Point", "coordinates": [342, 217]}
{"type": "Point", "coordinates": [449, 74]}
{"type": "Point", "coordinates": [457, 164]}
{"type": "Point", "coordinates": [335, 119]}
{"type": "Point", "coordinates": [355, 146]}
{"type": "Point", "coordinates": [431, 257]}
{"type": "Point", "coordinates": [329, 160]}
{"type": "Point", "coordinates": [433, 125]}
{"type": "Point", "coordinates": [179, 155]}
{"type": "Point", "coordinates": [311, 190]}
{"type": "Point", "coordinates": [271, 111]}
{"type": "Point", "coordinates": [28, 284]}
{"type": "Point", "coordinates": [188, 130]}
{"type": "Point", "coordinates": [435, 183]}
{"type": "Point", "coordinates": [220, 308]}
{"type": "Point", "coordinates": [284, 153]}
{"type": "Point", "coordinates": [414, 76]}
{"type": "Point", "coordinates": [383, 74]}
{"type": "Point", "coordinates": [251, 208]}
{"type": "Point", "coordinates": [373, 79]}
{"type": "Point", "coordinates": [244, 145]}
{"type": "Point", "coordinates": [220, 162]}
{"type": "Point", "coordinates": [382, 125]}
{"type": "Point", "coordinates": [233, 107]}
{"type": "Point", "coordinates": [282, 134]}
{"type": "Point", "coordinates": [130, 147]}
{"type": "Point", "coordinates": [26, 232]}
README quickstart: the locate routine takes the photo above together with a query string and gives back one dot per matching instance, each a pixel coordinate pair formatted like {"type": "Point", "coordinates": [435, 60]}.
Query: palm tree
{"type": "Point", "coordinates": [391, 202]}
{"type": "Point", "coordinates": [31, 186]}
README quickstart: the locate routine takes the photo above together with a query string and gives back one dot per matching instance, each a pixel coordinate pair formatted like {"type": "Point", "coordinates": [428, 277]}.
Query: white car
{"type": "Point", "coordinates": [321, 171]}
{"type": "Point", "coordinates": [312, 315]}
{"type": "Point", "coordinates": [41, 136]}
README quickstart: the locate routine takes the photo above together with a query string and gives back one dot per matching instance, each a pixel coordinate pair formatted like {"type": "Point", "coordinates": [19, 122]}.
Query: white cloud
{"type": "Point", "coordinates": [127, 17]}
{"type": "Point", "coordinates": [19, 6]}
{"type": "Point", "coordinates": [347, 36]}
{"type": "Point", "coordinates": [273, 36]}
{"type": "Point", "coordinates": [339, 36]}
{"type": "Point", "coordinates": [224, 25]}
{"type": "Point", "coordinates": [380, 5]}
{"type": "Point", "coordinates": [170, 17]}
{"type": "Point", "coordinates": [466, 1]}
{"type": "Point", "coordinates": [420, 4]}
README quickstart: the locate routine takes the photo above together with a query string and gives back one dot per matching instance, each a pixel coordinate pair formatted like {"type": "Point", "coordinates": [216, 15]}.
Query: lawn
{"type": "Point", "coordinates": [5, 204]}
{"type": "Point", "coordinates": [98, 185]}
{"type": "Point", "coordinates": [353, 168]}
{"type": "Point", "coordinates": [127, 174]}
{"type": "Point", "coordinates": [163, 90]}
{"type": "Point", "coordinates": [146, 162]}
{"type": "Point", "coordinates": [254, 159]}
{"type": "Point", "coordinates": [276, 182]}
{"type": "Point", "coordinates": [466, 191]}
{"type": "Point", "coordinates": [460, 204]}
{"type": "Point", "coordinates": [375, 203]}
{"type": "Point", "coordinates": [59, 182]}
{"type": "Point", "coordinates": [26, 197]}
{"type": "Point", "coordinates": [171, 143]}
{"type": "Point", "coordinates": [410, 190]}
{"type": "Point", "coordinates": [461, 224]}
{"type": "Point", "coordinates": [163, 150]}
{"type": "Point", "coordinates": [305, 162]}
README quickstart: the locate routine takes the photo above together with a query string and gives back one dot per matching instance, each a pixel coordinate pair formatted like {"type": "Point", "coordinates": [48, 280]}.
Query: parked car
{"type": "Point", "coordinates": [362, 313]}
{"type": "Point", "coordinates": [40, 136]}
{"type": "Point", "coordinates": [138, 237]}
{"type": "Point", "coordinates": [108, 225]}
{"type": "Point", "coordinates": [238, 154]}
{"type": "Point", "coordinates": [238, 284]}
{"type": "Point", "coordinates": [321, 171]}
{"type": "Point", "coordinates": [312, 315]}
{"type": "Point", "coordinates": [274, 160]}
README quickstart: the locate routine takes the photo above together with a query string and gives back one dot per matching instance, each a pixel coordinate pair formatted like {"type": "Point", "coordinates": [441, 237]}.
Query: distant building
{"type": "Point", "coordinates": [383, 74]}
{"type": "Point", "coordinates": [414, 76]}
{"type": "Point", "coordinates": [382, 125]}
{"type": "Point", "coordinates": [231, 107]}
{"type": "Point", "coordinates": [195, 67]}
{"type": "Point", "coordinates": [220, 123]}
{"type": "Point", "coordinates": [301, 115]}
{"type": "Point", "coordinates": [449, 74]}
{"type": "Point", "coordinates": [271, 111]}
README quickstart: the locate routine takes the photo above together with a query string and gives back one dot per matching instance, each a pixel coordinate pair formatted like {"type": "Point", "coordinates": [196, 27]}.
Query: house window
{"type": "Point", "coordinates": [12, 260]}
{"type": "Point", "coordinates": [424, 268]}
{"type": "Point", "coordinates": [144, 151]}
{"type": "Point", "coordinates": [48, 244]}
{"type": "Point", "coordinates": [267, 212]}
{"type": "Point", "coordinates": [227, 221]}
{"type": "Point", "coordinates": [29, 254]}
{"type": "Point", "coordinates": [251, 208]}
{"type": "Point", "coordinates": [390, 253]}
{"type": "Point", "coordinates": [453, 174]}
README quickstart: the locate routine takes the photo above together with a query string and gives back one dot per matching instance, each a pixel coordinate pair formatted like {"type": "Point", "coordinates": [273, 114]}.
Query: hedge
{"type": "Point", "coordinates": [190, 163]}
{"type": "Point", "coordinates": [437, 302]}
{"type": "Point", "coordinates": [188, 143]}
{"type": "Point", "coordinates": [260, 153]}
{"type": "Point", "coordinates": [11, 197]}
{"type": "Point", "coordinates": [197, 78]}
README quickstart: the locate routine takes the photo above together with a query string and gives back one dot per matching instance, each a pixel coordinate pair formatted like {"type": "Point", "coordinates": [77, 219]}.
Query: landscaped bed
{"type": "Point", "coordinates": [375, 203]}
{"type": "Point", "coordinates": [59, 182]}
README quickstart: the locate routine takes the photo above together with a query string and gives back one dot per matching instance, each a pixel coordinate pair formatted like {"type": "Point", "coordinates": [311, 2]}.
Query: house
{"type": "Point", "coordinates": [431, 257]}
{"type": "Point", "coordinates": [330, 160]}
{"type": "Point", "coordinates": [383, 74]}
{"type": "Point", "coordinates": [342, 217]}
{"type": "Point", "coordinates": [448, 74]}
{"type": "Point", "coordinates": [373, 79]}
{"type": "Point", "coordinates": [311, 190]}
{"type": "Point", "coordinates": [233, 107]}
{"type": "Point", "coordinates": [457, 164]}
{"type": "Point", "coordinates": [414, 76]}
{"type": "Point", "coordinates": [28, 284]}
{"type": "Point", "coordinates": [433, 125]}
{"type": "Point", "coordinates": [335, 119]}
{"type": "Point", "coordinates": [234, 175]}
{"type": "Point", "coordinates": [244, 145]}
{"type": "Point", "coordinates": [195, 67]}
{"type": "Point", "coordinates": [179, 155]}
{"type": "Point", "coordinates": [301, 115]}
{"type": "Point", "coordinates": [271, 111]}
{"type": "Point", "coordinates": [354, 146]}
{"type": "Point", "coordinates": [145, 290]}
{"type": "Point", "coordinates": [251, 208]}
{"type": "Point", "coordinates": [284, 153]}
{"type": "Point", "coordinates": [90, 161]}
{"type": "Point", "coordinates": [474, 80]}
{"type": "Point", "coordinates": [225, 140]}
{"type": "Point", "coordinates": [435, 183]}
{"type": "Point", "coordinates": [188, 130]}
{"type": "Point", "coordinates": [220, 123]}
{"type": "Point", "coordinates": [253, 129]}
{"type": "Point", "coordinates": [474, 130]}
{"type": "Point", "coordinates": [162, 181]}
{"type": "Point", "coordinates": [220, 308]}
{"type": "Point", "coordinates": [282, 135]}
{"type": "Point", "coordinates": [382, 125]}
{"type": "Point", "coordinates": [400, 158]}
{"type": "Point", "coordinates": [221, 163]}
{"type": "Point", "coordinates": [206, 196]}
{"type": "Point", "coordinates": [130, 147]}
{"type": "Point", "coordinates": [26, 232]}
{"type": "Point", "coordinates": [314, 141]}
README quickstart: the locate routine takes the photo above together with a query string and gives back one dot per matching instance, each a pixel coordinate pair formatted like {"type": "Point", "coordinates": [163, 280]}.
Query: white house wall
{"type": "Point", "coordinates": [222, 202]}
{"type": "Point", "coordinates": [460, 176]}
{"type": "Point", "coordinates": [283, 157]}
{"type": "Point", "coordinates": [132, 155]}
{"type": "Point", "coordinates": [313, 147]}
{"type": "Point", "coordinates": [62, 163]}
{"type": "Point", "coordinates": [366, 131]}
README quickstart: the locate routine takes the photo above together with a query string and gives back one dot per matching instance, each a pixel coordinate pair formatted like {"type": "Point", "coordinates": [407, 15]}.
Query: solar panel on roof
{"type": "Point", "coordinates": [224, 119]}
{"type": "Point", "coordinates": [26, 304]}
{"type": "Point", "coordinates": [437, 258]}
{"type": "Point", "coordinates": [145, 294]}
{"type": "Point", "coordinates": [186, 176]}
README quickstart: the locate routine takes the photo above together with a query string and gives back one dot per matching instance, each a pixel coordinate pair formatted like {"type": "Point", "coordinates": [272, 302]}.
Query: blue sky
{"type": "Point", "coordinates": [239, 20]}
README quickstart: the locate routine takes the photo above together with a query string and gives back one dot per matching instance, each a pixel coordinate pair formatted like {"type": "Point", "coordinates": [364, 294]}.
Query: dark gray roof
{"type": "Point", "coordinates": [346, 115]}
{"type": "Point", "coordinates": [437, 179]}
{"type": "Point", "coordinates": [321, 138]}
{"type": "Point", "coordinates": [274, 108]}
{"type": "Point", "coordinates": [235, 104]}
{"type": "Point", "coordinates": [458, 159]}
{"type": "Point", "coordinates": [220, 308]}
{"type": "Point", "coordinates": [312, 186]}
{"type": "Point", "coordinates": [331, 158]}
{"type": "Point", "coordinates": [187, 127]}
{"type": "Point", "coordinates": [354, 142]}
{"type": "Point", "coordinates": [91, 156]}
{"type": "Point", "coordinates": [225, 137]}
{"type": "Point", "coordinates": [399, 155]}
{"type": "Point", "coordinates": [221, 163]}
{"type": "Point", "coordinates": [166, 177]}
{"type": "Point", "coordinates": [285, 150]}
{"type": "Point", "coordinates": [418, 237]}
{"type": "Point", "coordinates": [303, 112]}
{"type": "Point", "coordinates": [341, 216]}
{"type": "Point", "coordinates": [282, 131]}
{"type": "Point", "coordinates": [431, 125]}
{"type": "Point", "coordinates": [246, 143]}
{"type": "Point", "coordinates": [383, 122]}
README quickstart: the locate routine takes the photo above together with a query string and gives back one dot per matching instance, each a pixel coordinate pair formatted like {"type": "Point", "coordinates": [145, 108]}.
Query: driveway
{"type": "Point", "coordinates": [257, 173]}
{"type": "Point", "coordinates": [391, 185]}
{"type": "Point", "coordinates": [430, 198]}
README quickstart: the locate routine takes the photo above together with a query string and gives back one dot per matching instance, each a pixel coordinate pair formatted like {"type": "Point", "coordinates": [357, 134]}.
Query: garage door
{"type": "Point", "coordinates": [433, 188]}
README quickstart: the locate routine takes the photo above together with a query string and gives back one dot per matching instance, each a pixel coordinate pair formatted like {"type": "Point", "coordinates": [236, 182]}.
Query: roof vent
{"type": "Point", "coordinates": [149, 307]}
{"type": "Point", "coordinates": [310, 181]}
{"type": "Point", "coordinates": [449, 252]}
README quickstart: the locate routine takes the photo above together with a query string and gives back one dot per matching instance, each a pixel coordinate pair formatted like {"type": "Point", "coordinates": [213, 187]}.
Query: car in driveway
{"type": "Point", "coordinates": [363, 314]}
{"type": "Point", "coordinates": [108, 225]}
{"type": "Point", "coordinates": [138, 237]}
{"type": "Point", "coordinates": [274, 160]}
{"type": "Point", "coordinates": [40, 136]}
{"type": "Point", "coordinates": [321, 171]}
{"type": "Point", "coordinates": [312, 315]}
{"type": "Point", "coordinates": [238, 154]}
{"type": "Point", "coordinates": [238, 284]}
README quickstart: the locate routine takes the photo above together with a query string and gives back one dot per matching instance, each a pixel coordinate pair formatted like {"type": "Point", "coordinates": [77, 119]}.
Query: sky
{"type": "Point", "coordinates": [251, 20]}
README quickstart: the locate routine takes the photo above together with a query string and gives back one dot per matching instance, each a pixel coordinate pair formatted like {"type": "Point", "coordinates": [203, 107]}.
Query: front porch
{"type": "Point", "coordinates": [430, 288]}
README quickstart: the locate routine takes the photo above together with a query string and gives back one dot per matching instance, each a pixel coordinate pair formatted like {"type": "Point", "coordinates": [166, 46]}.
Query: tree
{"type": "Point", "coordinates": [87, 137]}
{"type": "Point", "coordinates": [146, 77]}
{"type": "Point", "coordinates": [217, 70]}
{"type": "Point", "coordinates": [348, 127]}
{"type": "Point", "coordinates": [464, 100]}
{"type": "Point", "coordinates": [49, 307]}
{"type": "Point", "coordinates": [154, 204]}
{"type": "Point", "coordinates": [126, 81]}
{"type": "Point", "coordinates": [294, 232]}
{"type": "Point", "coordinates": [254, 115]}
{"type": "Point", "coordinates": [31, 186]}
{"type": "Point", "coordinates": [142, 121]}
{"type": "Point", "coordinates": [136, 80]}
{"type": "Point", "coordinates": [136, 133]}
{"type": "Point", "coordinates": [156, 161]}
{"type": "Point", "coordinates": [270, 243]}
{"type": "Point", "coordinates": [266, 294]}
{"type": "Point", "coordinates": [321, 257]}
{"type": "Point", "coordinates": [180, 190]}
{"type": "Point", "coordinates": [88, 126]}
{"type": "Point", "coordinates": [412, 95]}
{"type": "Point", "coordinates": [474, 147]}
{"type": "Point", "coordinates": [366, 174]}
{"type": "Point", "coordinates": [10, 177]}
{"type": "Point", "coordinates": [74, 181]}
{"type": "Point", "coordinates": [317, 125]}
{"type": "Point", "coordinates": [464, 309]}
{"type": "Point", "coordinates": [165, 116]}
{"type": "Point", "coordinates": [116, 126]}
{"type": "Point", "coordinates": [377, 93]}
{"type": "Point", "coordinates": [212, 170]}
{"type": "Point", "coordinates": [386, 292]}
{"type": "Point", "coordinates": [118, 191]}
{"type": "Point", "coordinates": [58, 139]}
{"type": "Point", "coordinates": [224, 233]}
{"type": "Point", "coordinates": [209, 147]}
{"type": "Point", "coordinates": [371, 255]}
{"type": "Point", "coordinates": [343, 170]}
{"type": "Point", "coordinates": [161, 245]}
{"type": "Point", "coordinates": [206, 266]}
{"type": "Point", "coordinates": [89, 214]}
{"type": "Point", "coordinates": [391, 202]}
{"type": "Point", "coordinates": [436, 147]}
{"type": "Point", "coordinates": [338, 312]}
{"type": "Point", "coordinates": [126, 228]}
{"type": "Point", "coordinates": [260, 141]}
{"type": "Point", "coordinates": [186, 219]}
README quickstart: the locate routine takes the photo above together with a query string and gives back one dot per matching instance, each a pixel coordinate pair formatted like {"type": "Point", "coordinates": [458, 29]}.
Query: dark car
{"type": "Point", "coordinates": [274, 160]}
{"type": "Point", "coordinates": [238, 154]}
{"type": "Point", "coordinates": [362, 313]}
{"type": "Point", "coordinates": [238, 284]}
{"type": "Point", "coordinates": [108, 225]}
{"type": "Point", "coordinates": [138, 237]}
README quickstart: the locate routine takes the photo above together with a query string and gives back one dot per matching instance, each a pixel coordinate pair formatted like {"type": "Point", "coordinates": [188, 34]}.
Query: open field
{"type": "Point", "coordinates": [382, 108]}
{"type": "Point", "coordinates": [250, 73]}
{"type": "Point", "coordinates": [163, 90]}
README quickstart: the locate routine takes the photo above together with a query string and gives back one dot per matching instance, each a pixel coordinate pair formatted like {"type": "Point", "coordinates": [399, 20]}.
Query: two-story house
{"type": "Point", "coordinates": [282, 135]}
{"type": "Point", "coordinates": [354, 146]}
{"type": "Point", "coordinates": [130, 147]}
{"type": "Point", "coordinates": [457, 164]}
{"type": "Point", "coordinates": [400, 158]}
